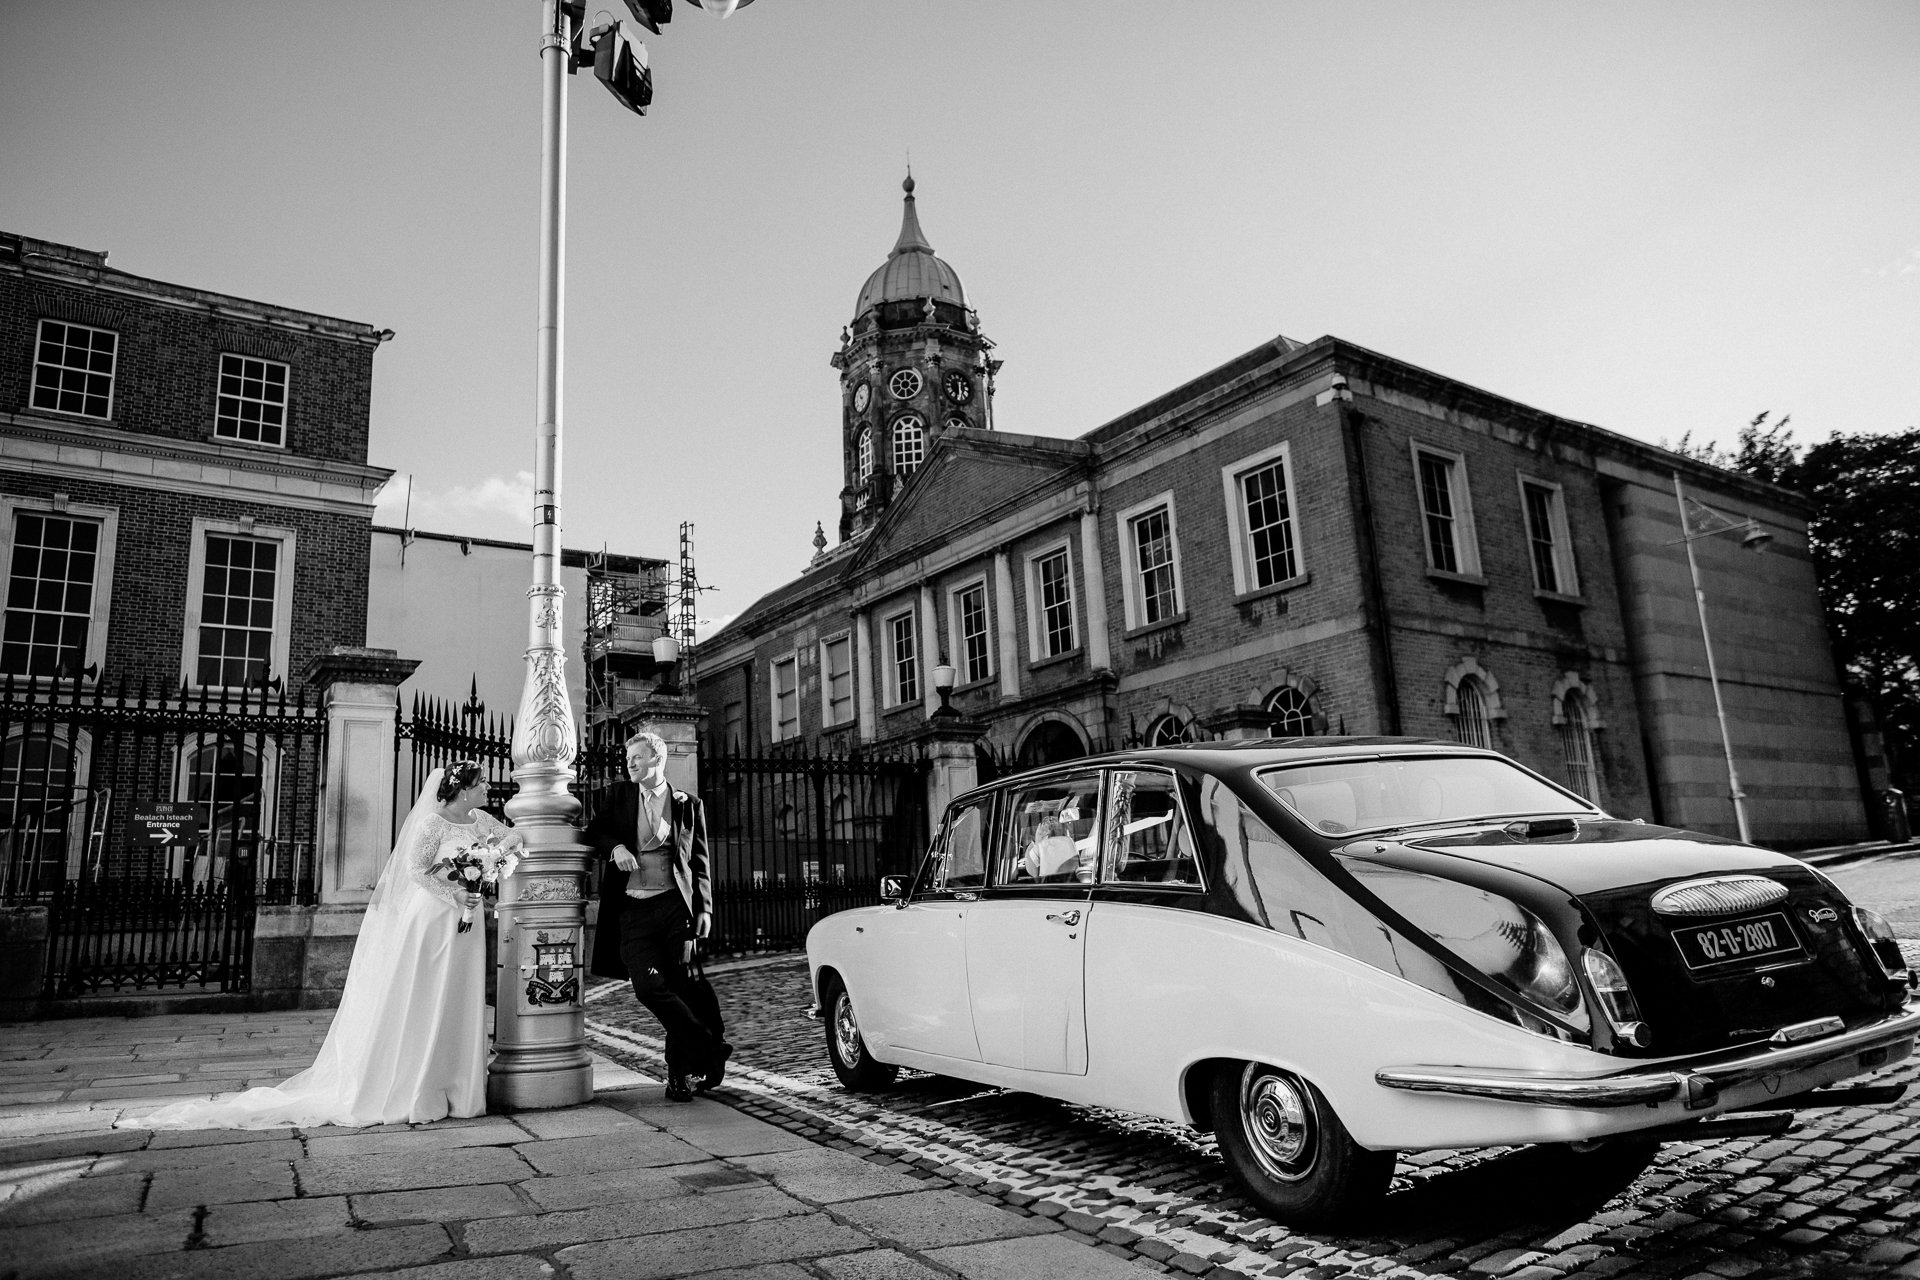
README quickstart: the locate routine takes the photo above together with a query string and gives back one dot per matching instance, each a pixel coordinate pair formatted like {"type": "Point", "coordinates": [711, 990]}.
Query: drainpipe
{"type": "Point", "coordinates": [1361, 493]}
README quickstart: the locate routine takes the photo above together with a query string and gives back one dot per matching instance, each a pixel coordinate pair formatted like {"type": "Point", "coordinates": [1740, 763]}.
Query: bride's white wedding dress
{"type": "Point", "coordinates": [409, 1040]}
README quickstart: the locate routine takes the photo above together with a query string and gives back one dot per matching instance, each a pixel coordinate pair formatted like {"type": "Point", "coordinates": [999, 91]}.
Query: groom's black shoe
{"type": "Point", "coordinates": [718, 1071]}
{"type": "Point", "coordinates": [677, 1090]}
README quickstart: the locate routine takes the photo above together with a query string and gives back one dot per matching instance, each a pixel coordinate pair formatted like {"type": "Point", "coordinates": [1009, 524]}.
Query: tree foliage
{"type": "Point", "coordinates": [1865, 540]}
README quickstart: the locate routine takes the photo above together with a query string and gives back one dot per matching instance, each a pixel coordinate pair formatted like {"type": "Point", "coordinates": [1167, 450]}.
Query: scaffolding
{"type": "Point", "coordinates": [627, 610]}
{"type": "Point", "coordinates": [631, 602]}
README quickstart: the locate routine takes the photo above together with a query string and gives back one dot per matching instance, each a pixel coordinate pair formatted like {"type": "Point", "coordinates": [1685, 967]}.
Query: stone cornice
{"type": "Point", "coordinates": [83, 451]}
{"type": "Point", "coordinates": [100, 279]}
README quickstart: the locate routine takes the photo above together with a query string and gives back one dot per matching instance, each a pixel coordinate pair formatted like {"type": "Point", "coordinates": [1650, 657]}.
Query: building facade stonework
{"type": "Point", "coordinates": [152, 431]}
{"type": "Point", "coordinates": [1312, 538]}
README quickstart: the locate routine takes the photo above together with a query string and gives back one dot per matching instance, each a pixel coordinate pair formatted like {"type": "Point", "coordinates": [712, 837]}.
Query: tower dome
{"type": "Point", "coordinates": [911, 271]}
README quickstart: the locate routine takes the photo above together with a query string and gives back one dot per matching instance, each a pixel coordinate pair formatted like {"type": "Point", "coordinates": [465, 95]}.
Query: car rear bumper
{"type": "Point", "coordinates": [1699, 1080]}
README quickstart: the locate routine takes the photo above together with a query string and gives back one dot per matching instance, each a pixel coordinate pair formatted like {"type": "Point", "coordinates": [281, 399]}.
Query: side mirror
{"type": "Point", "coordinates": [893, 888]}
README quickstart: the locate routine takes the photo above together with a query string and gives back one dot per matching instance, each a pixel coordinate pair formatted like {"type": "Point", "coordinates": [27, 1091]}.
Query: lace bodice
{"type": "Point", "coordinates": [436, 837]}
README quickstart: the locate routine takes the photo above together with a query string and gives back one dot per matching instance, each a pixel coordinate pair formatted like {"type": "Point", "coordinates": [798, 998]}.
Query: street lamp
{"type": "Point", "coordinates": [540, 1056]}
{"type": "Point", "coordinates": [943, 682]}
{"type": "Point", "coordinates": [1753, 538]}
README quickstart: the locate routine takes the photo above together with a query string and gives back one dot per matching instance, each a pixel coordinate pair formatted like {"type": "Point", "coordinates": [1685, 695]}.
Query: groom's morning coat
{"type": "Point", "coordinates": [618, 822]}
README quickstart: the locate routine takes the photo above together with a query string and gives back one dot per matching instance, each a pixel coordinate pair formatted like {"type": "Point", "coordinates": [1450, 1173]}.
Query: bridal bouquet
{"type": "Point", "coordinates": [478, 866]}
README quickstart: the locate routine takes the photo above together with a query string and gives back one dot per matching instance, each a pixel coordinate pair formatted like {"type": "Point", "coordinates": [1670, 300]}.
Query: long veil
{"type": "Point", "coordinates": [334, 1090]}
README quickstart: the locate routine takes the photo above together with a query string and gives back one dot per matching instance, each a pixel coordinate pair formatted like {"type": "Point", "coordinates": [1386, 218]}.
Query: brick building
{"type": "Point", "coordinates": [1311, 538]}
{"type": "Point", "coordinates": [154, 435]}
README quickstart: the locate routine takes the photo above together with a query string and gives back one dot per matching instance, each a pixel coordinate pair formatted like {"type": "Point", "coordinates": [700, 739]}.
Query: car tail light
{"type": "Point", "coordinates": [1881, 938]}
{"type": "Point", "coordinates": [1616, 997]}
{"type": "Point", "coordinates": [1494, 934]}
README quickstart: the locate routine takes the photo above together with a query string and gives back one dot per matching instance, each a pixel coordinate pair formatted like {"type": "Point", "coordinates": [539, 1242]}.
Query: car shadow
{"type": "Point", "coordinates": [1543, 1189]}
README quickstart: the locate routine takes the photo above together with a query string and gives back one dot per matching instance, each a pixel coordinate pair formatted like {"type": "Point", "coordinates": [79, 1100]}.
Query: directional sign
{"type": "Point", "coordinates": [167, 824]}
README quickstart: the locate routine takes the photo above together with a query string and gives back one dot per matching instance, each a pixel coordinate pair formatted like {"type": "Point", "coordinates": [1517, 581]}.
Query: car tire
{"type": "Point", "coordinates": [847, 1048]}
{"type": "Point", "coordinates": [1288, 1150]}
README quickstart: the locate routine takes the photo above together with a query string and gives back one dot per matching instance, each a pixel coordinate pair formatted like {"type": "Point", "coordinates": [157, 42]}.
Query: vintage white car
{"type": "Point", "coordinates": [1329, 950]}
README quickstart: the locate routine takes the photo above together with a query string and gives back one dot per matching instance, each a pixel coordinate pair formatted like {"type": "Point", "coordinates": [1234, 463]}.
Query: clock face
{"type": "Point", "coordinates": [959, 389]}
{"type": "Point", "coordinates": [904, 384]}
{"type": "Point", "coordinates": [861, 394]}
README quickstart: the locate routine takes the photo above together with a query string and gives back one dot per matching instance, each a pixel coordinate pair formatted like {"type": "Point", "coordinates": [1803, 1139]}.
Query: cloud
{"type": "Point", "coordinates": [1906, 264]}
{"type": "Point", "coordinates": [705, 627]}
{"type": "Point", "coordinates": [495, 507]}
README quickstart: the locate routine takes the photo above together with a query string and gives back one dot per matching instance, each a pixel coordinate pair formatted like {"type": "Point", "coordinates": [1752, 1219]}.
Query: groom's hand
{"type": "Point", "coordinates": [703, 924]}
{"type": "Point", "coordinates": [624, 860]}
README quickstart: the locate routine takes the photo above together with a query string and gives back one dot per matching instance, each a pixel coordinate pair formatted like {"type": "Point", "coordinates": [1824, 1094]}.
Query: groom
{"type": "Point", "coordinates": [656, 896]}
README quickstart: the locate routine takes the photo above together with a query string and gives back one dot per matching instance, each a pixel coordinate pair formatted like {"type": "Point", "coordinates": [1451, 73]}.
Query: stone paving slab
{"type": "Point", "coordinates": [641, 1218]}
{"type": "Point", "coordinates": [878, 1264]}
{"type": "Point", "coordinates": [603, 1153]}
{"type": "Point", "coordinates": [585, 1190]}
{"type": "Point", "coordinates": [406, 1171]}
{"type": "Point", "coordinates": [1048, 1256]}
{"type": "Point", "coordinates": [285, 1219]}
{"type": "Point", "coordinates": [224, 1184]}
{"type": "Point", "coordinates": [932, 1219]}
{"type": "Point", "coordinates": [99, 1248]}
{"type": "Point", "coordinates": [740, 1244]}
{"type": "Point", "coordinates": [498, 1131]}
{"type": "Point", "coordinates": [440, 1204]}
{"type": "Point", "coordinates": [824, 1176]}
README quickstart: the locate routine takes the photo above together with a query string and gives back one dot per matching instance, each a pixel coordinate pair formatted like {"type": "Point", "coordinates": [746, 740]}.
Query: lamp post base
{"type": "Point", "coordinates": [531, 1084]}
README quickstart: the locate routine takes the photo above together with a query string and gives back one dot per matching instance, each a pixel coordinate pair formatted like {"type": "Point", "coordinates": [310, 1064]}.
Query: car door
{"type": "Point", "coordinates": [919, 967]}
{"type": "Point", "coordinates": [1026, 937]}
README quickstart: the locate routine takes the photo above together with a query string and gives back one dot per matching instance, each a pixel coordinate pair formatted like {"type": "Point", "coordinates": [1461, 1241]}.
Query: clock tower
{"type": "Point", "coordinates": [913, 366]}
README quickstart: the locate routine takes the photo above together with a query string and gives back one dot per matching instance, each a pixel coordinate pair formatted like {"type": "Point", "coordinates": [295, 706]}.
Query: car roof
{"type": "Point", "coordinates": [1242, 755]}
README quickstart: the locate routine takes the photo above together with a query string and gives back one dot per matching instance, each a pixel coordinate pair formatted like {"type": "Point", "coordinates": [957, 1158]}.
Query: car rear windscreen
{"type": "Point", "coordinates": [1364, 795]}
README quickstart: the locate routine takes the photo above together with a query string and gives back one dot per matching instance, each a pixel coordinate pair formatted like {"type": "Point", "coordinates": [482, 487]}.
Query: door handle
{"type": "Point", "coordinates": [1070, 917]}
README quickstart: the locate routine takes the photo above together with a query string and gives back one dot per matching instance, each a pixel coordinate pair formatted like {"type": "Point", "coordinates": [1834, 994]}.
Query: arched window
{"type": "Point", "coordinates": [1168, 730]}
{"type": "Point", "coordinates": [865, 448]}
{"type": "Point", "coordinates": [224, 777]}
{"type": "Point", "coordinates": [1471, 723]}
{"type": "Point", "coordinates": [1576, 744]}
{"type": "Point", "coordinates": [909, 444]}
{"type": "Point", "coordinates": [1292, 712]}
{"type": "Point", "coordinates": [1049, 742]}
{"type": "Point", "coordinates": [36, 768]}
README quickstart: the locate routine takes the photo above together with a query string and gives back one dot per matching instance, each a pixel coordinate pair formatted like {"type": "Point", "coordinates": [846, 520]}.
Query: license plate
{"type": "Point", "coordinates": [1751, 938]}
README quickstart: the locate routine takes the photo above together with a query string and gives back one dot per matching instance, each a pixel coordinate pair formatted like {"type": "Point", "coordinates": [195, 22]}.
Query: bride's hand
{"type": "Point", "coordinates": [473, 900]}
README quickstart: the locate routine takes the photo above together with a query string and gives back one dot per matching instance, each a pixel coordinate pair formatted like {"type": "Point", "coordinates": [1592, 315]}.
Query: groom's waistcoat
{"type": "Point", "coordinates": [618, 823]}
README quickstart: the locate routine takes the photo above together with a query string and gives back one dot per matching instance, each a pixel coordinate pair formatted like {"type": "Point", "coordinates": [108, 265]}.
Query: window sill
{"type": "Point", "coordinates": [107, 421]}
{"type": "Point", "coordinates": [1152, 627]}
{"type": "Point", "coordinates": [1447, 575]}
{"type": "Point", "coordinates": [237, 443]}
{"type": "Point", "coordinates": [984, 682]}
{"type": "Point", "coordinates": [898, 707]}
{"type": "Point", "coordinates": [1064, 656]}
{"type": "Point", "coordinates": [1555, 597]}
{"type": "Point", "coordinates": [1260, 593]}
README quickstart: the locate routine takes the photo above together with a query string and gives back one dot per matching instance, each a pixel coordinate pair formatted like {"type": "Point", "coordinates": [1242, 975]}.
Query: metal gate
{"type": "Point", "coordinates": [152, 825]}
{"type": "Point", "coordinates": [794, 837]}
{"type": "Point", "coordinates": [791, 837]}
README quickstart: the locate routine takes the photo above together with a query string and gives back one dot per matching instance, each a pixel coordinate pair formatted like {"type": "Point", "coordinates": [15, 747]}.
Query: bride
{"type": "Point", "coordinates": [408, 1043]}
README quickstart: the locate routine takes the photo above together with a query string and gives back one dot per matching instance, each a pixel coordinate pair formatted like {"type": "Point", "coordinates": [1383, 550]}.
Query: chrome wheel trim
{"type": "Point", "coordinates": [1277, 1115]}
{"type": "Point", "coordinates": [846, 1032]}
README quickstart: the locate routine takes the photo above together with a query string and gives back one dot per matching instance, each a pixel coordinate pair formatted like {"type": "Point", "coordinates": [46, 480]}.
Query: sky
{"type": "Point", "coordinates": [1659, 218]}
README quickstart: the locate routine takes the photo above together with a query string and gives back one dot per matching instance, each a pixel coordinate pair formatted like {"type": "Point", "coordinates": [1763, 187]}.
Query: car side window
{"type": "Point", "coordinates": [959, 861]}
{"type": "Point", "coordinates": [1053, 832]}
{"type": "Point", "coordinates": [1148, 840]}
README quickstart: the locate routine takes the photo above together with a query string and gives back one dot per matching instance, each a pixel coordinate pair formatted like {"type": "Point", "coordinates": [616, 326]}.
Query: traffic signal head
{"type": "Point", "coordinates": [621, 65]}
{"type": "Point", "coordinates": [651, 14]}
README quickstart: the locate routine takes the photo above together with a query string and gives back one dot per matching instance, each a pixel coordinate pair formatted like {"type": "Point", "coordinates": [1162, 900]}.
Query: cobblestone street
{"type": "Point", "coordinates": [1833, 1198]}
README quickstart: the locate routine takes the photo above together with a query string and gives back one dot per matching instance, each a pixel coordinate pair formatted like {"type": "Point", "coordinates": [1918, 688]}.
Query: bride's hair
{"type": "Point", "coordinates": [460, 775]}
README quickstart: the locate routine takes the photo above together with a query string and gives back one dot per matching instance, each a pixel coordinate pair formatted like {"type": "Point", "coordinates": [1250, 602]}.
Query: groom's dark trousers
{"type": "Point", "coordinates": [644, 939]}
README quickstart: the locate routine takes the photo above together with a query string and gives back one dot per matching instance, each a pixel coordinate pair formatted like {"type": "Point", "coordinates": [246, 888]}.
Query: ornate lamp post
{"type": "Point", "coordinates": [540, 1056]}
{"type": "Point", "coordinates": [1753, 538]}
